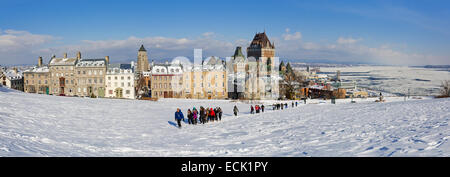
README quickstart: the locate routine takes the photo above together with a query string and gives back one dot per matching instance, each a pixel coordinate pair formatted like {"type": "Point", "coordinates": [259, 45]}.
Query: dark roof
{"type": "Point", "coordinates": [118, 65]}
{"type": "Point", "coordinates": [142, 48]}
{"type": "Point", "coordinates": [238, 52]}
{"type": "Point", "coordinates": [261, 40]}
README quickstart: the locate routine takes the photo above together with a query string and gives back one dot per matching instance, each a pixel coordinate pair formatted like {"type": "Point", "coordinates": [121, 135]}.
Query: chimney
{"type": "Point", "coordinates": [79, 55]}
{"type": "Point", "coordinates": [40, 62]}
{"type": "Point", "coordinates": [15, 69]}
{"type": "Point", "coordinates": [65, 55]}
{"type": "Point", "coordinates": [107, 59]}
{"type": "Point", "coordinates": [153, 62]}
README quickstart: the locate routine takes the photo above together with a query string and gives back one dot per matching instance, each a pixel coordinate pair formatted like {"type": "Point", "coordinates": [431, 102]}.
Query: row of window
{"type": "Point", "coordinates": [39, 82]}
{"type": "Point", "coordinates": [171, 70]}
{"type": "Point", "coordinates": [64, 67]}
{"type": "Point", "coordinates": [209, 78]}
{"type": "Point", "coordinates": [127, 92]}
{"type": "Point", "coordinates": [121, 78]}
{"type": "Point", "coordinates": [155, 86]}
{"type": "Point", "coordinates": [122, 84]}
{"type": "Point", "coordinates": [91, 72]}
{"type": "Point", "coordinates": [37, 75]}
{"type": "Point", "coordinates": [175, 94]}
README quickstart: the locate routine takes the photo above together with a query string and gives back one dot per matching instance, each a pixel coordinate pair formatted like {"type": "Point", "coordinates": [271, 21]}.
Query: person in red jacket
{"type": "Point", "coordinates": [212, 114]}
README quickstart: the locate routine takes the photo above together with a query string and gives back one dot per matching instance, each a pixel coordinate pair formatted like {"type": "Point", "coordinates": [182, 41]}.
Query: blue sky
{"type": "Point", "coordinates": [386, 32]}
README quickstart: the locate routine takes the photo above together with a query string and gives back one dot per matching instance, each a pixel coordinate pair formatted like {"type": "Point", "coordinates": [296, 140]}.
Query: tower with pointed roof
{"type": "Point", "coordinates": [142, 60]}
{"type": "Point", "coordinates": [263, 51]}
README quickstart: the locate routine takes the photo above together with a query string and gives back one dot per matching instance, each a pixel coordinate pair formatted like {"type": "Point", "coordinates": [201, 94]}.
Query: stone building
{"type": "Point", "coordinates": [37, 79]}
{"type": "Point", "coordinates": [12, 78]}
{"type": "Point", "coordinates": [166, 80]}
{"type": "Point", "coordinates": [120, 81]}
{"type": "Point", "coordinates": [206, 81]}
{"type": "Point", "coordinates": [63, 78]}
{"type": "Point", "coordinates": [90, 77]}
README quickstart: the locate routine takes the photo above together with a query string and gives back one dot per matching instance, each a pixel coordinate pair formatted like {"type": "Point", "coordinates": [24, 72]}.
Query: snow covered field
{"type": "Point", "coordinates": [394, 79]}
{"type": "Point", "coordinates": [40, 125]}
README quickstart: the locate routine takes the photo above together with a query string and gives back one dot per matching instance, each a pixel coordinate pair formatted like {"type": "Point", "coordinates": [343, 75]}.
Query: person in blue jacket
{"type": "Point", "coordinates": [178, 117]}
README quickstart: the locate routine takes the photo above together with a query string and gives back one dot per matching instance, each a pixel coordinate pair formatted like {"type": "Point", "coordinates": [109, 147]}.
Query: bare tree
{"type": "Point", "coordinates": [141, 87]}
{"type": "Point", "coordinates": [290, 84]}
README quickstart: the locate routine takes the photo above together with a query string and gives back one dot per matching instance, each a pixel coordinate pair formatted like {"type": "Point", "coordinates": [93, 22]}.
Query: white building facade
{"type": "Point", "coordinates": [120, 81]}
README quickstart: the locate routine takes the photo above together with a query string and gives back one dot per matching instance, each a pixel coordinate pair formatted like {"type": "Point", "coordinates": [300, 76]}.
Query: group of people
{"type": "Point", "coordinates": [205, 115]}
{"type": "Point", "coordinates": [256, 109]}
{"type": "Point", "coordinates": [202, 116]}
{"type": "Point", "coordinates": [278, 106]}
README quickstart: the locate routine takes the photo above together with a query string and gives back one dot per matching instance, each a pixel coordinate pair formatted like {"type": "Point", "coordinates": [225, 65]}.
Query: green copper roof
{"type": "Point", "coordinates": [238, 53]}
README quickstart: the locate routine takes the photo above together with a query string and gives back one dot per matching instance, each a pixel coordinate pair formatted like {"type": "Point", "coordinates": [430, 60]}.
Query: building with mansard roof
{"type": "Point", "coordinates": [90, 80]}
{"type": "Point", "coordinates": [120, 81]}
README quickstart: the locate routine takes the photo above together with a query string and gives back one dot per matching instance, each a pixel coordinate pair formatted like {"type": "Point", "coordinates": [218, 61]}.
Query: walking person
{"type": "Point", "coordinates": [190, 117]}
{"type": "Point", "coordinates": [212, 114]}
{"type": "Point", "coordinates": [178, 117]}
{"type": "Point", "coordinates": [220, 113]}
{"type": "Point", "coordinates": [252, 110]}
{"type": "Point", "coordinates": [262, 108]}
{"type": "Point", "coordinates": [194, 115]}
{"type": "Point", "coordinates": [235, 110]}
{"type": "Point", "coordinates": [208, 116]}
{"type": "Point", "coordinates": [216, 116]}
{"type": "Point", "coordinates": [257, 109]}
{"type": "Point", "coordinates": [202, 115]}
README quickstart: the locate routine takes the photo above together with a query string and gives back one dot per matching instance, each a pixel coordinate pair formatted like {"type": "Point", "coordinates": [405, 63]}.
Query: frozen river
{"type": "Point", "coordinates": [394, 79]}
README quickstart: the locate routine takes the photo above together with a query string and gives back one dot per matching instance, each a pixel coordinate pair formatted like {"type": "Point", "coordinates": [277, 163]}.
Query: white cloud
{"type": "Point", "coordinates": [289, 37]}
{"type": "Point", "coordinates": [18, 40]}
{"type": "Point", "coordinates": [350, 40]}
{"type": "Point", "coordinates": [21, 47]}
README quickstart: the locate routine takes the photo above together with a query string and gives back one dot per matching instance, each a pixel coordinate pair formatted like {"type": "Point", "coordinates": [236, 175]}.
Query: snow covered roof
{"type": "Point", "coordinates": [92, 63]}
{"type": "Point", "coordinates": [13, 75]}
{"type": "Point", "coordinates": [213, 63]}
{"type": "Point", "coordinates": [166, 69]}
{"type": "Point", "coordinates": [62, 61]}
{"type": "Point", "coordinates": [42, 69]}
{"type": "Point", "coordinates": [120, 69]}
